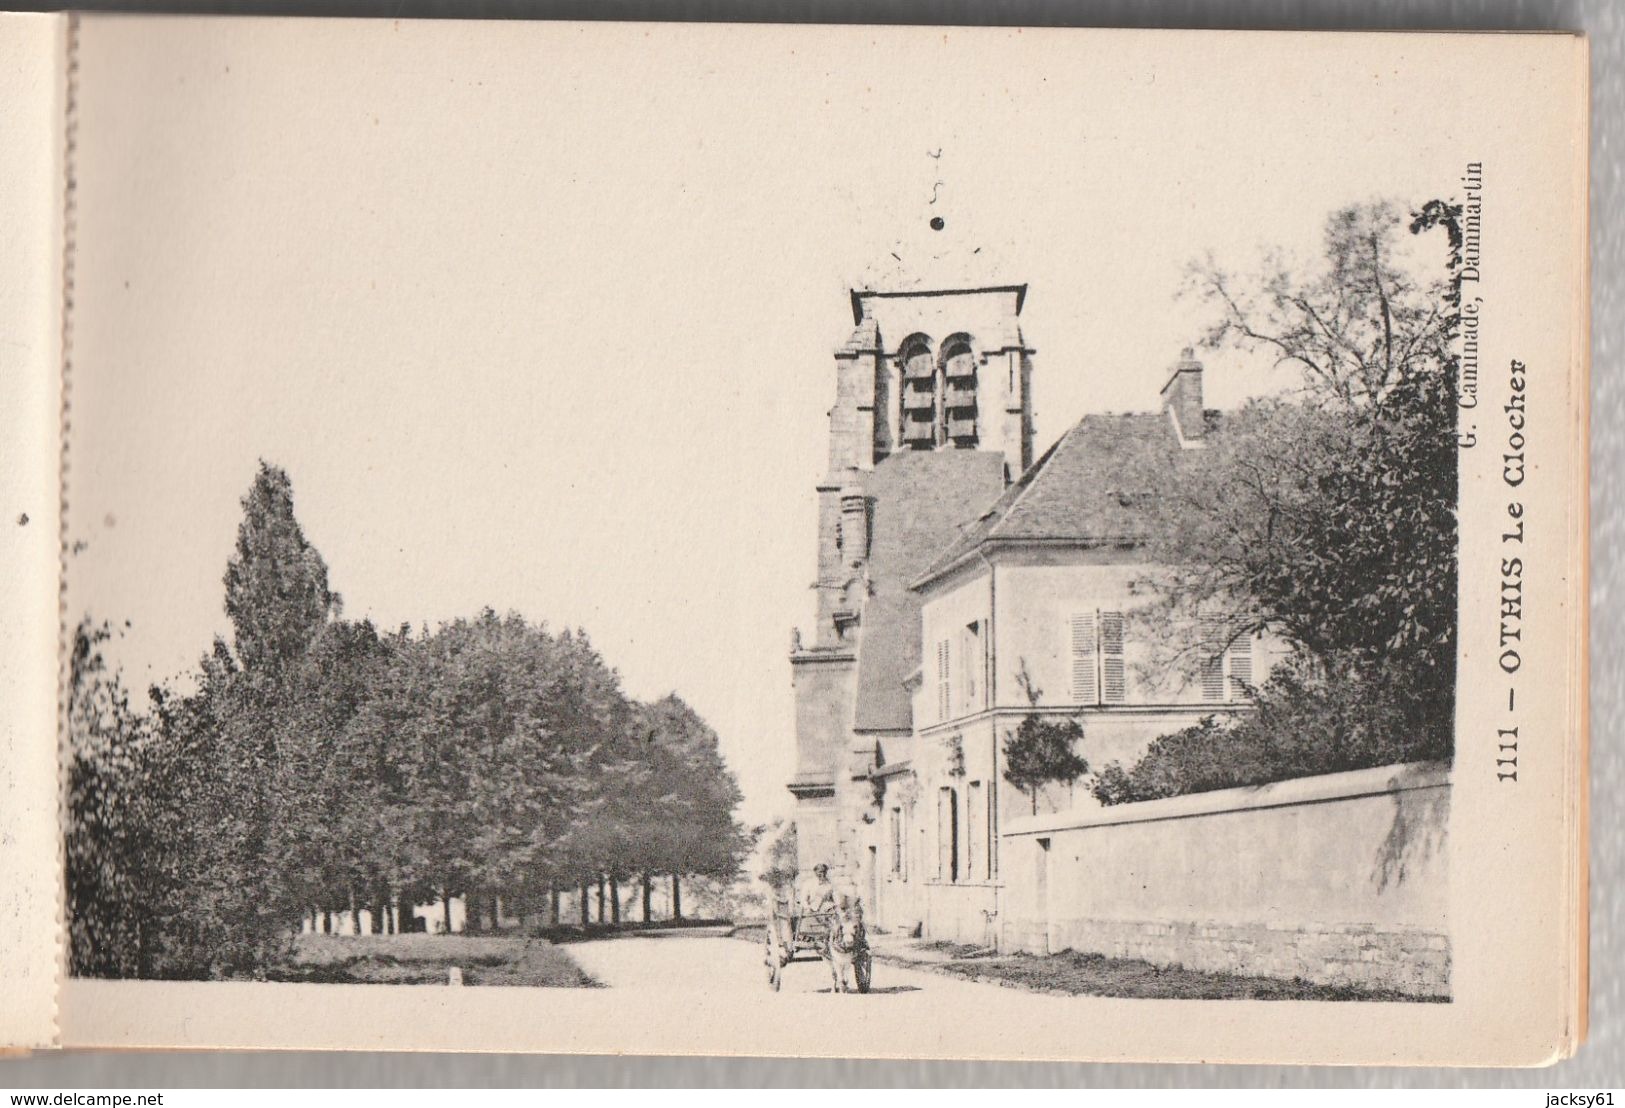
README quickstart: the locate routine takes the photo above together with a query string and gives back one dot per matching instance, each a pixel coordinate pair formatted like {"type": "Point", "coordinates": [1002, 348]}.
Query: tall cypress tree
{"type": "Point", "coordinates": [278, 600]}
{"type": "Point", "coordinates": [276, 582]}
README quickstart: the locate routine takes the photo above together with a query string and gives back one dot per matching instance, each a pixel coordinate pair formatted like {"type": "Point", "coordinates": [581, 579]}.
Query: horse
{"type": "Point", "coordinates": [846, 947]}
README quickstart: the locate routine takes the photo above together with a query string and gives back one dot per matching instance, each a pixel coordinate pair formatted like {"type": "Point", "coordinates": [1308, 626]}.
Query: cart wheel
{"type": "Point", "coordinates": [863, 969]}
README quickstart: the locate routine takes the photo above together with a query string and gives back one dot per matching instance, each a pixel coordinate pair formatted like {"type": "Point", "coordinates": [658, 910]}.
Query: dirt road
{"type": "Point", "coordinates": [696, 964]}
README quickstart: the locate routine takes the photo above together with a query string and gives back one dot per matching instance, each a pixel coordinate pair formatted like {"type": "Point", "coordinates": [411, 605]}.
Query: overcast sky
{"type": "Point", "coordinates": [541, 318]}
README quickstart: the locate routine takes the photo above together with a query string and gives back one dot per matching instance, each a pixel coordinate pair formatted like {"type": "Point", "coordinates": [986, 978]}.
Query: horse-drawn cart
{"type": "Point", "coordinates": [835, 936]}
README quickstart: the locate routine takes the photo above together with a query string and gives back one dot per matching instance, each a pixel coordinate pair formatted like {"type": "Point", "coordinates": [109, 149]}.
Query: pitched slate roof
{"type": "Point", "coordinates": [920, 501]}
{"type": "Point", "coordinates": [1083, 489]}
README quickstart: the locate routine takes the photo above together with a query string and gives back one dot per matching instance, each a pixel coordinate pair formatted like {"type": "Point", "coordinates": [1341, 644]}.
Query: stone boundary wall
{"type": "Point", "coordinates": [1339, 879]}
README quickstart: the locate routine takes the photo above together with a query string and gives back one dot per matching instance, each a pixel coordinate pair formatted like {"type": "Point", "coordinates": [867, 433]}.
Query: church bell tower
{"type": "Point", "coordinates": [932, 417]}
{"type": "Point", "coordinates": [926, 369]}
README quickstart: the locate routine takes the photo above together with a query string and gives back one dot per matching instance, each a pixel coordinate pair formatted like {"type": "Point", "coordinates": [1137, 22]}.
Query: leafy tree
{"type": "Point", "coordinates": [1042, 751]}
{"type": "Point", "coordinates": [633, 828]}
{"type": "Point", "coordinates": [337, 787]}
{"type": "Point", "coordinates": [111, 860]}
{"type": "Point", "coordinates": [211, 791]}
{"type": "Point", "coordinates": [229, 800]}
{"type": "Point", "coordinates": [1325, 514]}
{"type": "Point", "coordinates": [781, 869]}
{"type": "Point", "coordinates": [1328, 513]}
{"type": "Point", "coordinates": [551, 709]}
{"type": "Point", "coordinates": [698, 796]}
{"type": "Point", "coordinates": [276, 582]}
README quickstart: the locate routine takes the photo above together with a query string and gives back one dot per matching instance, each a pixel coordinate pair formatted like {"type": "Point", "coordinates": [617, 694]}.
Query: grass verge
{"type": "Point", "coordinates": [428, 960]}
{"type": "Point", "coordinates": [1073, 974]}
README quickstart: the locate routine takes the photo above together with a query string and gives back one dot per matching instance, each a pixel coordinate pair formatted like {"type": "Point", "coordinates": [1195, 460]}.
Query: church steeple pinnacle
{"type": "Point", "coordinates": [936, 359]}
{"type": "Point", "coordinates": [938, 246]}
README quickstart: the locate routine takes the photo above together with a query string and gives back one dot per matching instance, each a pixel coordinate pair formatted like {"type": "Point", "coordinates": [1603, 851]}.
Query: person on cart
{"type": "Point", "coordinates": [817, 896]}
{"type": "Point", "coordinates": [820, 898]}
{"type": "Point", "coordinates": [837, 936]}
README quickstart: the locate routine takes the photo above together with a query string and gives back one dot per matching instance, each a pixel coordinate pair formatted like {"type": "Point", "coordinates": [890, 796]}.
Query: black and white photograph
{"type": "Point", "coordinates": [885, 535]}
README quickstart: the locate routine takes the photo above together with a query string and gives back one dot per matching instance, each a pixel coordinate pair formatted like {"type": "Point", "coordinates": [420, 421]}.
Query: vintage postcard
{"type": "Point", "coordinates": [894, 542]}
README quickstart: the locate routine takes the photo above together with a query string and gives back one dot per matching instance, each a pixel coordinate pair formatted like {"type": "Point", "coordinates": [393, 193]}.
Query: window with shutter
{"type": "Point", "coordinates": [1241, 667]}
{"type": "Point", "coordinates": [970, 661]}
{"type": "Point", "coordinates": [1113, 683]}
{"type": "Point", "coordinates": [1084, 661]}
{"type": "Point", "coordinates": [944, 704]}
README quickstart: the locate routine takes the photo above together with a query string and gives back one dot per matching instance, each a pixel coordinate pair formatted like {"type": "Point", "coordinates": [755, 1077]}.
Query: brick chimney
{"type": "Point", "coordinates": [1182, 397]}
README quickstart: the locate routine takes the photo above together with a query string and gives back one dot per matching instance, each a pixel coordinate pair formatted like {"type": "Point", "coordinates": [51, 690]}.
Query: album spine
{"type": "Point", "coordinates": [37, 76]}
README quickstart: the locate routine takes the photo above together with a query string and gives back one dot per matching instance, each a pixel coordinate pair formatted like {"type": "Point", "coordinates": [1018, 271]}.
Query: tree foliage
{"type": "Point", "coordinates": [1326, 514]}
{"type": "Point", "coordinates": [1042, 751]}
{"type": "Point", "coordinates": [276, 583]}
{"type": "Point", "coordinates": [781, 865]}
{"type": "Point", "coordinates": [1303, 725]}
{"type": "Point", "coordinates": [109, 865]}
{"type": "Point", "coordinates": [324, 767]}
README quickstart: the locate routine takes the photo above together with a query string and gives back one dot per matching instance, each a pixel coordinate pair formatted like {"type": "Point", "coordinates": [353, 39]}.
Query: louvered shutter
{"type": "Point", "coordinates": [1084, 687]}
{"type": "Point", "coordinates": [943, 703]}
{"type": "Point", "coordinates": [962, 694]}
{"type": "Point", "coordinates": [1241, 667]}
{"type": "Point", "coordinates": [895, 825]}
{"type": "Point", "coordinates": [1212, 630]}
{"type": "Point", "coordinates": [1113, 685]}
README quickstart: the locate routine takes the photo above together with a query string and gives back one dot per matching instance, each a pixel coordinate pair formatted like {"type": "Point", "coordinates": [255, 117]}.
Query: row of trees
{"type": "Point", "coordinates": [318, 765]}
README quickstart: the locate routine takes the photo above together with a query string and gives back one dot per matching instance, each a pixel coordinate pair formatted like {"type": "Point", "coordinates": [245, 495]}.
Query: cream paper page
{"type": "Point", "coordinates": [31, 53]}
{"type": "Point", "coordinates": [296, 238]}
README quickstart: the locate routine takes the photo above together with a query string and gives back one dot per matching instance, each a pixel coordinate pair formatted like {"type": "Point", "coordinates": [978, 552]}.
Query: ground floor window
{"type": "Point", "coordinates": [897, 838]}
{"type": "Point", "coordinates": [948, 834]}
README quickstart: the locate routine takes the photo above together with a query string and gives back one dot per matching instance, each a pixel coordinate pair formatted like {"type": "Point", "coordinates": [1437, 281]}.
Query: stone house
{"type": "Point", "coordinates": [963, 585]}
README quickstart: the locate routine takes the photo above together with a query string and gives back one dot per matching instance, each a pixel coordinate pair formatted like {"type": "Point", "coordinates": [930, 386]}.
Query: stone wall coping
{"type": "Point", "coordinates": [1375, 781]}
